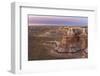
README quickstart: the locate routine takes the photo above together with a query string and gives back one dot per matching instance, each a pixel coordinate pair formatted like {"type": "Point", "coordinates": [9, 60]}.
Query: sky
{"type": "Point", "coordinates": [57, 20]}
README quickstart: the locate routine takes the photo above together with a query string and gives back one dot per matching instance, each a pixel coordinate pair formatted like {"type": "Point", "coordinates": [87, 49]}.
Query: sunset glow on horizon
{"type": "Point", "coordinates": [57, 20]}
